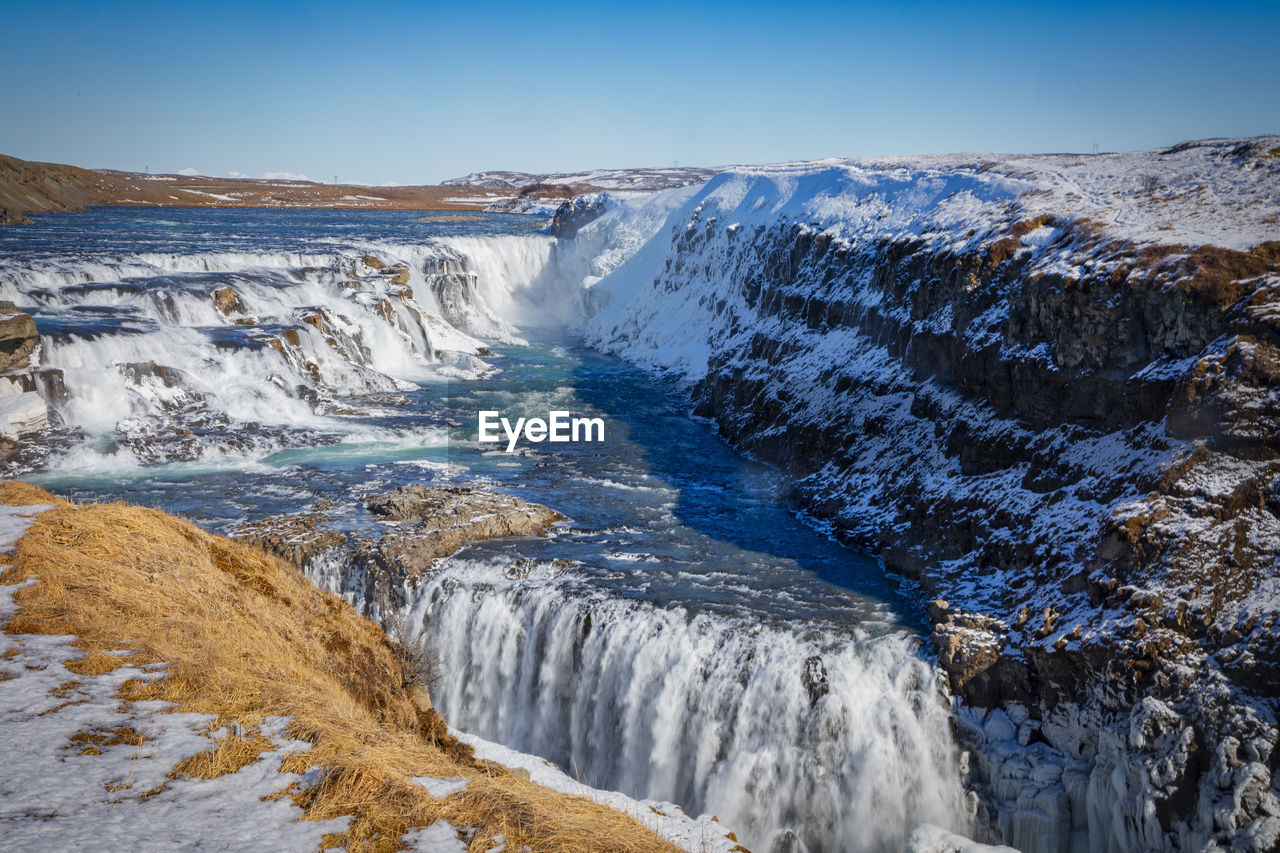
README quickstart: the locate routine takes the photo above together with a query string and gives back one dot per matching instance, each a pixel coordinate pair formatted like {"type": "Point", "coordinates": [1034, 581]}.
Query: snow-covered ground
{"type": "Point", "coordinates": [109, 788]}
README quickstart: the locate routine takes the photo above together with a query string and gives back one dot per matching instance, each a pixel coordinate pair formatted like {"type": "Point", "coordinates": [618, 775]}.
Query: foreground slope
{"type": "Point", "coordinates": [166, 687]}
{"type": "Point", "coordinates": [1047, 389]}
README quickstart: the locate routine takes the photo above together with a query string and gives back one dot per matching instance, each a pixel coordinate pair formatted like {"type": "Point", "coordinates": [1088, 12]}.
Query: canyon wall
{"type": "Point", "coordinates": [1046, 390]}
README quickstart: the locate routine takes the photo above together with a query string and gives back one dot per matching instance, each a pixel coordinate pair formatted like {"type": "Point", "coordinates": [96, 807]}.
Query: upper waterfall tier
{"type": "Point", "coordinates": [239, 344]}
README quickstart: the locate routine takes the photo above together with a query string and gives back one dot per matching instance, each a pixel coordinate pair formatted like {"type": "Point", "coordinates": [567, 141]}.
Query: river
{"type": "Point", "coordinates": [684, 635]}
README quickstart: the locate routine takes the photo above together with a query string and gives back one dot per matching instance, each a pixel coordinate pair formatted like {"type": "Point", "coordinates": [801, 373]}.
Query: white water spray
{"type": "Point", "coordinates": [801, 738]}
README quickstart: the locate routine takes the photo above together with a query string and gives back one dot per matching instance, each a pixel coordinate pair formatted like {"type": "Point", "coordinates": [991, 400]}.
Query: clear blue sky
{"type": "Point", "coordinates": [418, 92]}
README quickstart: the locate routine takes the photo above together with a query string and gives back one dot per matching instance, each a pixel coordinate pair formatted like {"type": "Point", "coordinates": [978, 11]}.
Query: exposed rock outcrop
{"type": "Point", "coordinates": [298, 537]}
{"type": "Point", "coordinates": [23, 412]}
{"type": "Point", "coordinates": [227, 301]}
{"type": "Point", "coordinates": [417, 525]}
{"type": "Point", "coordinates": [575, 213]}
{"type": "Point", "coordinates": [19, 340]}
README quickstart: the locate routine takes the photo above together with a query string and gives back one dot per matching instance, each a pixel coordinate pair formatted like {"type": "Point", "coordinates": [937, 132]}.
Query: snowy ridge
{"type": "Point", "coordinates": [608, 179]}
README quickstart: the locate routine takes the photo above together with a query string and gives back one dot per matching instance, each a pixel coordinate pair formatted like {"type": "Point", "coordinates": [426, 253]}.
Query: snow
{"type": "Point", "coordinates": [927, 838]}
{"type": "Point", "coordinates": [697, 835]}
{"type": "Point", "coordinates": [21, 414]}
{"type": "Point", "coordinates": [439, 837]}
{"type": "Point", "coordinates": [1219, 192]}
{"type": "Point", "coordinates": [54, 796]}
{"type": "Point", "coordinates": [218, 196]}
{"type": "Point", "coordinates": [473, 201]}
{"type": "Point", "coordinates": [527, 206]}
{"type": "Point", "coordinates": [14, 522]}
{"type": "Point", "coordinates": [646, 179]}
{"type": "Point", "coordinates": [440, 788]}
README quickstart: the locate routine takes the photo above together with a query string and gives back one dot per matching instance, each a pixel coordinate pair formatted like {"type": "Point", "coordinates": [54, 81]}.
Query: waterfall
{"type": "Point", "coordinates": [177, 356]}
{"type": "Point", "coordinates": [800, 737]}
{"type": "Point", "coordinates": [511, 271]}
{"type": "Point", "coordinates": [809, 736]}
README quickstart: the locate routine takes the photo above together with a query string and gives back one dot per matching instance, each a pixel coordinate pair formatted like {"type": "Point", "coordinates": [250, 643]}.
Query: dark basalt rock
{"type": "Point", "coordinates": [575, 213]}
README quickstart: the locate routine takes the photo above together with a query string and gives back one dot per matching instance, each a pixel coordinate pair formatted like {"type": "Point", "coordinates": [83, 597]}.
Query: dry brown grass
{"type": "Point", "coordinates": [231, 754]}
{"type": "Point", "coordinates": [246, 636]}
{"type": "Point", "coordinates": [95, 662]}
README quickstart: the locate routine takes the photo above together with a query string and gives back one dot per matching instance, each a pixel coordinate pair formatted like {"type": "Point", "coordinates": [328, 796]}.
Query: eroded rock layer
{"type": "Point", "coordinates": [373, 564]}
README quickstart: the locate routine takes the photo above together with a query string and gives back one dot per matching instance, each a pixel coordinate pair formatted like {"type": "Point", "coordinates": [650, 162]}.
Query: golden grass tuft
{"type": "Point", "coordinates": [95, 662]}
{"type": "Point", "coordinates": [110, 737]}
{"type": "Point", "coordinates": [16, 493]}
{"type": "Point", "coordinates": [246, 636]}
{"type": "Point", "coordinates": [231, 754]}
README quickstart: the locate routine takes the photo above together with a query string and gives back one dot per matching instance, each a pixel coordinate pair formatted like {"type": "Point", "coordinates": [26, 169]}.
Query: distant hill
{"type": "Point", "coordinates": [608, 179]}
{"type": "Point", "coordinates": [31, 187]}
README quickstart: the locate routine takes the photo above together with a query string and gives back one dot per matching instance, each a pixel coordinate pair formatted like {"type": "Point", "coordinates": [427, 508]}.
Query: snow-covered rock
{"type": "Point", "coordinates": [22, 415]}
{"type": "Point", "coordinates": [607, 179]}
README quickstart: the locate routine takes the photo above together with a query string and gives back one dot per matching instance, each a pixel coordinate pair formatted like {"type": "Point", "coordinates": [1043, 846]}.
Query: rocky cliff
{"type": "Point", "coordinates": [1047, 390]}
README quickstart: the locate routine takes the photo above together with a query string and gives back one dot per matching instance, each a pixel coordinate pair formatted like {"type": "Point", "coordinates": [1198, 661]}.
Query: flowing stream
{"type": "Point", "coordinates": [683, 636]}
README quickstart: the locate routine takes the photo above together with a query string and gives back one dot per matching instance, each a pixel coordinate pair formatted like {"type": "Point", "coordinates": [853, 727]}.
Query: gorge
{"type": "Point", "coordinates": [1036, 396]}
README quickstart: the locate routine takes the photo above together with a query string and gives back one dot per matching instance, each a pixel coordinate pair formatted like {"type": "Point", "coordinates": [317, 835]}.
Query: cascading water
{"type": "Point", "coordinates": [684, 637]}
{"type": "Point", "coordinates": [811, 737]}
{"type": "Point", "coordinates": [174, 352]}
